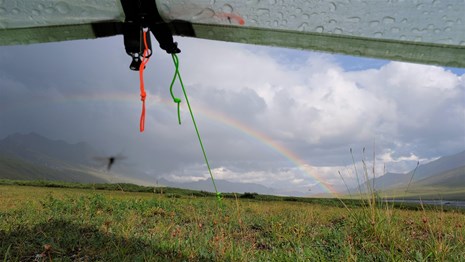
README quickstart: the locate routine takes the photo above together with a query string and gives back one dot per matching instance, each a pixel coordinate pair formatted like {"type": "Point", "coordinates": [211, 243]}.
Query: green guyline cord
{"type": "Point", "coordinates": [178, 101]}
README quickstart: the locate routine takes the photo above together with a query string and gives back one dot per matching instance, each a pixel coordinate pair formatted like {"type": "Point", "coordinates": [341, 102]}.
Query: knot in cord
{"type": "Point", "coordinates": [218, 196]}
{"type": "Point", "coordinates": [176, 100]}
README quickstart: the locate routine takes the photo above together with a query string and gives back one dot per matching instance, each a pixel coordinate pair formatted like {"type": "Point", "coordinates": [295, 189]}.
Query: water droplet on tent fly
{"type": "Point", "coordinates": [204, 14]}
{"type": "Point", "coordinates": [263, 11]}
{"type": "Point", "coordinates": [62, 7]}
{"type": "Point", "coordinates": [332, 7]}
{"type": "Point", "coordinates": [354, 19]}
{"type": "Point", "coordinates": [388, 20]}
{"type": "Point", "coordinates": [374, 23]}
{"type": "Point", "coordinates": [302, 26]}
{"type": "Point", "coordinates": [227, 8]}
{"type": "Point", "coordinates": [50, 10]}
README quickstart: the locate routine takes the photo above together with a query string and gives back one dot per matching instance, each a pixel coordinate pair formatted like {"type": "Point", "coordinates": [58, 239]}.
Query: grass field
{"type": "Point", "coordinates": [80, 224]}
{"type": "Point", "coordinates": [418, 192]}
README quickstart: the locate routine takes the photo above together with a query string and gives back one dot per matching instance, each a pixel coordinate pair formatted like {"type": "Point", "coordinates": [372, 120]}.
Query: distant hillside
{"type": "Point", "coordinates": [14, 168]}
{"type": "Point", "coordinates": [452, 179]}
{"type": "Point", "coordinates": [439, 166]}
{"type": "Point", "coordinates": [222, 185]}
{"type": "Point", "coordinates": [391, 180]}
{"type": "Point", "coordinates": [447, 171]}
{"type": "Point", "coordinates": [35, 148]}
{"type": "Point", "coordinates": [33, 156]}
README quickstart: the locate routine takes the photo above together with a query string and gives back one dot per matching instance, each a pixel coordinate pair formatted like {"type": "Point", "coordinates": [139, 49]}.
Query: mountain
{"type": "Point", "coordinates": [222, 185]}
{"type": "Point", "coordinates": [32, 156]}
{"type": "Point", "coordinates": [35, 148]}
{"type": "Point", "coordinates": [454, 178]}
{"type": "Point", "coordinates": [440, 165]}
{"type": "Point", "coordinates": [14, 168]}
{"type": "Point", "coordinates": [447, 171]}
{"type": "Point", "coordinates": [391, 179]}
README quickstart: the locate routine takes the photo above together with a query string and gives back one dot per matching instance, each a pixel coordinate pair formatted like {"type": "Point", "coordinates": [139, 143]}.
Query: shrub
{"type": "Point", "coordinates": [249, 195]}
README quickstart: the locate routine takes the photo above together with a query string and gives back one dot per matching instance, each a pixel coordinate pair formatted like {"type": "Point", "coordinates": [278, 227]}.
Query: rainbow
{"type": "Point", "coordinates": [213, 115]}
{"type": "Point", "coordinates": [267, 141]}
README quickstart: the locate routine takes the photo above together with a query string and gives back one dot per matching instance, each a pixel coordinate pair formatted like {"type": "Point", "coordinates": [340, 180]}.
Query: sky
{"type": "Point", "coordinates": [283, 118]}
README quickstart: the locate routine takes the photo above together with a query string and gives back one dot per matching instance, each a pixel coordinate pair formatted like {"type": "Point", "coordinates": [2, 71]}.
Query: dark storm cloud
{"type": "Point", "coordinates": [67, 91]}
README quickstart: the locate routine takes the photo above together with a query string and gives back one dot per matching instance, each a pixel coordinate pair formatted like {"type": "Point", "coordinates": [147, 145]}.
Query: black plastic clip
{"type": "Point", "coordinates": [144, 14]}
{"type": "Point", "coordinates": [134, 44]}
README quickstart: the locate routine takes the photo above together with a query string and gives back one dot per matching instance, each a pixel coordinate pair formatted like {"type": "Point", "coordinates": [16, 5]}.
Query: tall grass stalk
{"type": "Point", "coordinates": [345, 184]}
{"type": "Point", "coordinates": [371, 197]}
{"type": "Point", "coordinates": [356, 172]}
{"type": "Point", "coordinates": [374, 163]}
{"type": "Point", "coordinates": [5, 259]}
{"type": "Point", "coordinates": [372, 217]}
{"type": "Point", "coordinates": [411, 178]}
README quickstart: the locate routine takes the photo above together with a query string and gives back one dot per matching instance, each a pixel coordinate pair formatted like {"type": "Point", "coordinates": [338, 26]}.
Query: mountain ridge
{"type": "Point", "coordinates": [32, 156]}
{"type": "Point", "coordinates": [36, 148]}
{"type": "Point", "coordinates": [447, 171]}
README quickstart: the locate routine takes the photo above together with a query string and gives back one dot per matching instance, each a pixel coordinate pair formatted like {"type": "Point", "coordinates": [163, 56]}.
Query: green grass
{"type": "Point", "coordinates": [426, 192]}
{"type": "Point", "coordinates": [354, 201]}
{"type": "Point", "coordinates": [85, 224]}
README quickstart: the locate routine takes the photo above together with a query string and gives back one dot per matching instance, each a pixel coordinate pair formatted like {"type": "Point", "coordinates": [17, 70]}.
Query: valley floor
{"type": "Point", "coordinates": [63, 224]}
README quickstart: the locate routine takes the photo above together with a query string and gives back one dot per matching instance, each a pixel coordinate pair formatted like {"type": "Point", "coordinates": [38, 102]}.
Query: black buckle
{"type": "Point", "coordinates": [134, 43]}
{"type": "Point", "coordinates": [139, 15]}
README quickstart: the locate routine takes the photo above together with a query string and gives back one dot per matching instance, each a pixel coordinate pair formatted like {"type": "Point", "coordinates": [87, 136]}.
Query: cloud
{"type": "Point", "coordinates": [249, 102]}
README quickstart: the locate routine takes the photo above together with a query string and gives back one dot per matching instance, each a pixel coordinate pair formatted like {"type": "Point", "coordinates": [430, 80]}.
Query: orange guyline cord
{"type": "Point", "coordinates": [143, 94]}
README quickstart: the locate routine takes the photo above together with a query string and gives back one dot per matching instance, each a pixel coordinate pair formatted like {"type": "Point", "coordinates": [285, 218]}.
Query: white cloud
{"type": "Point", "coordinates": [312, 107]}
{"type": "Point", "coordinates": [388, 157]}
{"type": "Point", "coordinates": [319, 103]}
